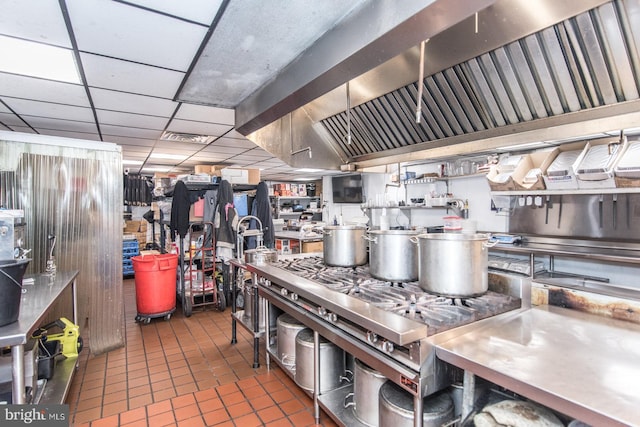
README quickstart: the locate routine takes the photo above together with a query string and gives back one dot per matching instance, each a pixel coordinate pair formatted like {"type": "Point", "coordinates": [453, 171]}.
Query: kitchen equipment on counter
{"type": "Point", "coordinates": [287, 329]}
{"type": "Point", "coordinates": [11, 274]}
{"type": "Point", "coordinates": [392, 255]}
{"type": "Point", "coordinates": [331, 362]}
{"type": "Point", "coordinates": [396, 408]}
{"type": "Point", "coordinates": [260, 255]}
{"type": "Point", "coordinates": [453, 265]}
{"type": "Point", "coordinates": [366, 384]}
{"type": "Point", "coordinates": [629, 164]}
{"type": "Point", "coordinates": [344, 245]}
{"type": "Point", "coordinates": [598, 163]}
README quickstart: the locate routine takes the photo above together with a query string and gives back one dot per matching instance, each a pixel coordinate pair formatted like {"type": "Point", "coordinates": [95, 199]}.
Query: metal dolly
{"type": "Point", "coordinates": [198, 284]}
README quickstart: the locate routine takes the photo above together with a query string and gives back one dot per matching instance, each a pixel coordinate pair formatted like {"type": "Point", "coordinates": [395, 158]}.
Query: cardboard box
{"type": "Point", "coordinates": [539, 161]}
{"type": "Point", "coordinates": [500, 177]}
{"type": "Point", "coordinates": [568, 181]}
{"type": "Point", "coordinates": [287, 246]}
{"type": "Point", "coordinates": [241, 176]}
{"type": "Point", "coordinates": [202, 169]}
{"type": "Point", "coordinates": [607, 178]}
{"type": "Point", "coordinates": [309, 247]}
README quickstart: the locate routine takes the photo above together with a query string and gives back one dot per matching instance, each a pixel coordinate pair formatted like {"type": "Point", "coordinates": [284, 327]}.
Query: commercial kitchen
{"type": "Point", "coordinates": [416, 213]}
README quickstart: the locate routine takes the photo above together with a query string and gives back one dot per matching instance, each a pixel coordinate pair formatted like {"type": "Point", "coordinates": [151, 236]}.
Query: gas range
{"type": "Point", "coordinates": [406, 299]}
{"type": "Point", "coordinates": [391, 327]}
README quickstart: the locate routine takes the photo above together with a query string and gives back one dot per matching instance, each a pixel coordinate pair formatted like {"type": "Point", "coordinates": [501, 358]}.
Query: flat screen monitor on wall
{"type": "Point", "coordinates": [347, 189]}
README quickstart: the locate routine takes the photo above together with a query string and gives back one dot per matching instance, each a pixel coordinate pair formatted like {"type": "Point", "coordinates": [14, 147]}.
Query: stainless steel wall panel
{"type": "Point", "coordinates": [76, 194]}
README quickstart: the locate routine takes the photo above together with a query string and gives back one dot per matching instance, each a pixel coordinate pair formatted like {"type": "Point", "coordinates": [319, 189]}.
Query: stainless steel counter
{"type": "Point", "coordinates": [583, 365]}
{"type": "Point", "coordinates": [35, 303]}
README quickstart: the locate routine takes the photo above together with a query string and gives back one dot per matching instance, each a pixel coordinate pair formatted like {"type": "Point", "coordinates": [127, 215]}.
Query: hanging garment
{"type": "Point", "coordinates": [261, 209]}
{"type": "Point", "coordinates": [226, 222]}
{"type": "Point", "coordinates": [180, 204]}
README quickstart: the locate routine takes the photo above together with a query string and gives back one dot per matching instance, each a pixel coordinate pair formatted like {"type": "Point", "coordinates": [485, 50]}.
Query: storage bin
{"type": "Point", "coordinates": [47, 359]}
{"type": "Point", "coordinates": [155, 278]}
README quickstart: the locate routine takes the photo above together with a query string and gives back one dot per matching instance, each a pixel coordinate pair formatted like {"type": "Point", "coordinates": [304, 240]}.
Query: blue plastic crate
{"type": "Point", "coordinates": [130, 244]}
{"type": "Point", "coordinates": [127, 253]}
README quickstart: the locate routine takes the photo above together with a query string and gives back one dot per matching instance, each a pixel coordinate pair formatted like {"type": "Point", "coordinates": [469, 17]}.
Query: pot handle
{"type": "Point", "coordinates": [326, 233]}
{"type": "Point", "coordinates": [414, 239]}
{"type": "Point", "coordinates": [489, 244]}
{"type": "Point", "coordinates": [348, 400]}
{"type": "Point", "coordinates": [369, 238]}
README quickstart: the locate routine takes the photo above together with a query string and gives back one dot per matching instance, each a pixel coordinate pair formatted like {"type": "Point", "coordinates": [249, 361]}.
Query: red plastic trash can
{"type": "Point", "coordinates": [155, 279]}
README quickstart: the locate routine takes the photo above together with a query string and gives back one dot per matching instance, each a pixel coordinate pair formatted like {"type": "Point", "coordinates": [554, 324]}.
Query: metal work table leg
{"type": "Point", "coordinates": [267, 334]}
{"type": "Point", "coordinates": [234, 294]}
{"type": "Point", "coordinates": [316, 375]}
{"type": "Point", "coordinates": [17, 373]}
{"type": "Point", "coordinates": [468, 394]}
{"type": "Point", "coordinates": [256, 322]}
{"type": "Point", "coordinates": [418, 404]}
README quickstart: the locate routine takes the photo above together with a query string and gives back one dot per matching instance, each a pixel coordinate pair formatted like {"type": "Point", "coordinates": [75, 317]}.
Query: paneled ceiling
{"type": "Point", "coordinates": [135, 59]}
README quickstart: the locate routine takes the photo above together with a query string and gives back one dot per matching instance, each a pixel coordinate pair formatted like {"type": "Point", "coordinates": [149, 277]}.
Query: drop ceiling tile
{"type": "Point", "coordinates": [11, 119]}
{"type": "Point", "coordinates": [230, 142]}
{"type": "Point", "coordinates": [200, 128]}
{"type": "Point", "coordinates": [134, 34]}
{"type": "Point", "coordinates": [235, 134]}
{"type": "Point", "coordinates": [128, 102]}
{"type": "Point", "coordinates": [47, 109]}
{"type": "Point", "coordinates": [228, 150]}
{"type": "Point", "coordinates": [125, 140]}
{"type": "Point", "coordinates": [210, 157]}
{"type": "Point", "coordinates": [73, 135]}
{"type": "Point", "coordinates": [249, 158]}
{"type": "Point", "coordinates": [23, 129]}
{"type": "Point", "coordinates": [132, 120]}
{"type": "Point", "coordinates": [35, 20]}
{"type": "Point", "coordinates": [130, 77]}
{"type": "Point", "coordinates": [108, 130]}
{"type": "Point", "coordinates": [136, 152]}
{"type": "Point", "coordinates": [43, 90]}
{"type": "Point", "coordinates": [42, 124]}
{"type": "Point", "coordinates": [202, 11]}
{"type": "Point", "coordinates": [179, 145]}
{"type": "Point", "coordinates": [3, 127]}
{"type": "Point", "coordinates": [203, 113]}
{"type": "Point", "coordinates": [174, 151]}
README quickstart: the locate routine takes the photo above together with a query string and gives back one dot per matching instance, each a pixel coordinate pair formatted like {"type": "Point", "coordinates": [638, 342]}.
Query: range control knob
{"type": "Point", "coordinates": [332, 317]}
{"type": "Point", "coordinates": [284, 292]}
{"type": "Point", "coordinates": [322, 311]}
{"type": "Point", "coordinates": [387, 346]}
{"type": "Point", "coordinates": [294, 297]}
{"type": "Point", "coordinates": [372, 337]}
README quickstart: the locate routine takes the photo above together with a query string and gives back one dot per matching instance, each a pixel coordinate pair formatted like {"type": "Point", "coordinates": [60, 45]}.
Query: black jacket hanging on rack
{"type": "Point", "coordinates": [261, 209]}
{"type": "Point", "coordinates": [180, 204]}
{"type": "Point", "coordinates": [226, 222]}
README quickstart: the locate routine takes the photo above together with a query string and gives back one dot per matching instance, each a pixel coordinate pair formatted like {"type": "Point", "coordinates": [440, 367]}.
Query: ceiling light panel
{"type": "Point", "coordinates": [201, 113]}
{"type": "Point", "coordinates": [130, 77]}
{"type": "Point", "coordinates": [35, 20]}
{"type": "Point", "coordinates": [132, 103]}
{"type": "Point", "coordinates": [43, 90]}
{"type": "Point", "coordinates": [37, 60]}
{"type": "Point", "coordinates": [132, 120]}
{"type": "Point", "coordinates": [121, 31]}
{"type": "Point", "coordinates": [45, 109]}
{"type": "Point", "coordinates": [268, 40]}
{"type": "Point", "coordinates": [187, 126]}
{"type": "Point", "coordinates": [202, 11]}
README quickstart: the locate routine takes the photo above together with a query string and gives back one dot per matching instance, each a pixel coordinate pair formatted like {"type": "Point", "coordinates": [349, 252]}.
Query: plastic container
{"type": "Point", "coordinates": [11, 274]}
{"type": "Point", "coordinates": [155, 278]}
{"type": "Point", "coordinates": [47, 359]}
{"type": "Point", "coordinates": [452, 223]}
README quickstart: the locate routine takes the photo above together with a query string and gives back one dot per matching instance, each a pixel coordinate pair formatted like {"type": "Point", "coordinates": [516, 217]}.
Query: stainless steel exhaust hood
{"type": "Point", "coordinates": [534, 71]}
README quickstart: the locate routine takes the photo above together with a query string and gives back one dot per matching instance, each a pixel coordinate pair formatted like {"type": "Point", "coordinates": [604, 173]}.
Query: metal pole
{"type": "Point", "coordinates": [17, 373]}
{"type": "Point", "coordinates": [418, 408]}
{"type": "Point", "coordinates": [468, 394]}
{"type": "Point", "coordinates": [316, 375]}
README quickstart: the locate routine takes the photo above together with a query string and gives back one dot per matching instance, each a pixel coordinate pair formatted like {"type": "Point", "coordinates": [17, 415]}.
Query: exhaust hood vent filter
{"type": "Point", "coordinates": [187, 137]}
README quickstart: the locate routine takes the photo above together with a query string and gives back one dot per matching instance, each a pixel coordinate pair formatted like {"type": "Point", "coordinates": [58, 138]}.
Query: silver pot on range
{"type": "Point", "coordinates": [454, 265]}
{"type": "Point", "coordinates": [393, 256]}
{"type": "Point", "coordinates": [344, 245]}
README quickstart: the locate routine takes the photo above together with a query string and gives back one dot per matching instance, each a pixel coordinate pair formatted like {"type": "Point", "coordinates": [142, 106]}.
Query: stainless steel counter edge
{"type": "Point", "coordinates": [398, 329]}
{"type": "Point", "coordinates": [35, 302]}
{"type": "Point", "coordinates": [582, 365]}
{"type": "Point", "coordinates": [629, 256]}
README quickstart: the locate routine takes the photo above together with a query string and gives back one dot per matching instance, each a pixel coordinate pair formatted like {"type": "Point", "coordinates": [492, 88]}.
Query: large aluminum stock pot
{"type": "Point", "coordinates": [393, 256]}
{"type": "Point", "coordinates": [454, 265]}
{"type": "Point", "coordinates": [344, 245]}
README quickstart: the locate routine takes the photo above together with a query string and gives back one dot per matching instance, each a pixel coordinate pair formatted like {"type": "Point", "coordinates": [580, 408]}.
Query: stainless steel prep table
{"type": "Point", "coordinates": [583, 365]}
{"type": "Point", "coordinates": [35, 303]}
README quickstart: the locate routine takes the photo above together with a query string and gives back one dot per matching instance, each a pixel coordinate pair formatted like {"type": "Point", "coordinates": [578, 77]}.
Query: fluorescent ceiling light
{"type": "Point", "coordinates": [157, 169]}
{"type": "Point", "coordinates": [132, 162]}
{"type": "Point", "coordinates": [309, 170]}
{"type": "Point", "coordinates": [38, 60]}
{"type": "Point", "coordinates": [168, 156]}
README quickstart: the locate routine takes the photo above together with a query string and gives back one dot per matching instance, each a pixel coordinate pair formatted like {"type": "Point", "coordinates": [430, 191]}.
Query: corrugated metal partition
{"type": "Point", "coordinates": [74, 193]}
{"type": "Point", "coordinates": [585, 62]}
